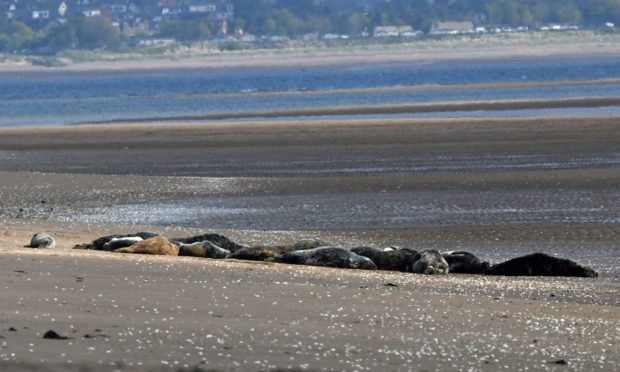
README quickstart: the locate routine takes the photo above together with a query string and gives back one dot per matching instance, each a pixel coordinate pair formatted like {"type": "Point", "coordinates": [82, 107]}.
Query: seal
{"type": "Point", "coordinates": [204, 249]}
{"type": "Point", "coordinates": [388, 258]}
{"type": "Point", "coordinates": [268, 252]}
{"type": "Point", "coordinates": [155, 246]}
{"type": "Point", "coordinates": [117, 243]}
{"type": "Point", "coordinates": [41, 240]}
{"type": "Point", "coordinates": [328, 257]}
{"type": "Point", "coordinates": [217, 239]}
{"type": "Point", "coordinates": [99, 243]}
{"type": "Point", "coordinates": [462, 262]}
{"type": "Point", "coordinates": [541, 264]}
{"type": "Point", "coordinates": [257, 253]}
{"type": "Point", "coordinates": [304, 244]}
{"type": "Point", "coordinates": [429, 262]}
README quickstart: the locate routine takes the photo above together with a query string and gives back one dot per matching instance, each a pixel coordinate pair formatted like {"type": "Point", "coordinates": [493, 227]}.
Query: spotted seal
{"type": "Point", "coordinates": [541, 264]}
{"type": "Point", "coordinates": [204, 249]}
{"type": "Point", "coordinates": [328, 257]}
{"type": "Point", "coordinates": [462, 262]}
{"type": "Point", "coordinates": [429, 262]}
{"type": "Point", "coordinates": [155, 246]}
{"type": "Point", "coordinates": [41, 240]}
{"type": "Point", "coordinates": [388, 258]}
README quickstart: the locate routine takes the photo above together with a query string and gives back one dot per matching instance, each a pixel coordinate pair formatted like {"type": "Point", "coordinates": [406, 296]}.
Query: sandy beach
{"type": "Point", "coordinates": [496, 187]}
{"type": "Point", "coordinates": [539, 45]}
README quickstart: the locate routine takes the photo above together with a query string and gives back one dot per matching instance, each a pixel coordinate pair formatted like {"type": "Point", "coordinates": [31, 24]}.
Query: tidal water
{"type": "Point", "coordinates": [46, 98]}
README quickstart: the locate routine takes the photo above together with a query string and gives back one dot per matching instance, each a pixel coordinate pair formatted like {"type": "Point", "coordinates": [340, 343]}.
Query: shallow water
{"type": "Point", "coordinates": [370, 210]}
{"type": "Point", "coordinates": [66, 98]}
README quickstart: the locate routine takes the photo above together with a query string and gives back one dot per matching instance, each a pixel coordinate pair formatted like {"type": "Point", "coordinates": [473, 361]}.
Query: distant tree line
{"type": "Point", "coordinates": [296, 17]}
{"type": "Point", "coordinates": [291, 17]}
{"type": "Point", "coordinates": [77, 33]}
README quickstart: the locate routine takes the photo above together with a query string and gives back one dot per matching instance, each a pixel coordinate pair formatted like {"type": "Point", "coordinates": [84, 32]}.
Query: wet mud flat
{"type": "Point", "coordinates": [315, 148]}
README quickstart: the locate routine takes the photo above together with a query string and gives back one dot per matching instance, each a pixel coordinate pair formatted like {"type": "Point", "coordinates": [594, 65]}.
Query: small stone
{"type": "Point", "coordinates": [561, 362]}
{"type": "Point", "coordinates": [53, 335]}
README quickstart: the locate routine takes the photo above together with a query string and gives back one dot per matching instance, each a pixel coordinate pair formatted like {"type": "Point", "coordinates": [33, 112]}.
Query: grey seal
{"type": "Point", "coordinates": [117, 243]}
{"type": "Point", "coordinates": [429, 262]}
{"type": "Point", "coordinates": [328, 257]}
{"type": "Point", "coordinates": [388, 258]}
{"type": "Point", "coordinates": [267, 252]}
{"type": "Point", "coordinates": [257, 253]}
{"type": "Point", "coordinates": [99, 243]}
{"type": "Point", "coordinates": [42, 240]}
{"type": "Point", "coordinates": [541, 264]}
{"type": "Point", "coordinates": [462, 262]}
{"type": "Point", "coordinates": [204, 249]}
{"type": "Point", "coordinates": [217, 239]}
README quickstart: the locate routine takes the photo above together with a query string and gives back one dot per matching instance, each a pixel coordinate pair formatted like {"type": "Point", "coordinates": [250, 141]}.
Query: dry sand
{"type": "Point", "coordinates": [128, 311]}
{"type": "Point", "coordinates": [132, 312]}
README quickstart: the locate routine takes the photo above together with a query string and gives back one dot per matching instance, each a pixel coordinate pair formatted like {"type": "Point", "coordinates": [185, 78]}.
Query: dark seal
{"type": "Point", "coordinates": [462, 262]}
{"type": "Point", "coordinates": [541, 264]}
{"type": "Point", "coordinates": [328, 257]}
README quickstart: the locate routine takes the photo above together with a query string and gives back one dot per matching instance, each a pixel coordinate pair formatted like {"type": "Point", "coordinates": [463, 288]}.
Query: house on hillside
{"type": "Point", "coordinates": [452, 28]}
{"type": "Point", "coordinates": [395, 31]}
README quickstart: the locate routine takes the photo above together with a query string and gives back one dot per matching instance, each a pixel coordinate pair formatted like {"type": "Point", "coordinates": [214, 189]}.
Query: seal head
{"type": "Point", "coordinates": [429, 262]}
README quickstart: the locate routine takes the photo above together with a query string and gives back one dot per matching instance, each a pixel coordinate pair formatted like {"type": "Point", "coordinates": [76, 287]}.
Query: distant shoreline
{"type": "Point", "coordinates": [466, 48]}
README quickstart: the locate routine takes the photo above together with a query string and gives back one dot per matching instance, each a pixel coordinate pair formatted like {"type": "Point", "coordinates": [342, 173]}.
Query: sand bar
{"type": "Point", "coordinates": [154, 313]}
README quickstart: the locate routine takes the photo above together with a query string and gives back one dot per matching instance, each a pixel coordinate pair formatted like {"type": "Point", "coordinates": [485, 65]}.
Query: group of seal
{"type": "Point", "coordinates": [316, 252]}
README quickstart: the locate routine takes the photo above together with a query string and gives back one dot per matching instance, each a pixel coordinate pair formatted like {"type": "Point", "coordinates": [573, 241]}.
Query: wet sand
{"type": "Point", "coordinates": [409, 108]}
{"type": "Point", "coordinates": [152, 312]}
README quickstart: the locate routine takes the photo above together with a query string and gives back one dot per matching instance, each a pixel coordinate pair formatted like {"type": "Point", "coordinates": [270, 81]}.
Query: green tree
{"type": "Point", "coordinates": [95, 32]}
{"type": "Point", "coordinates": [60, 38]}
{"type": "Point", "coordinates": [15, 36]}
{"type": "Point", "coordinates": [185, 30]}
